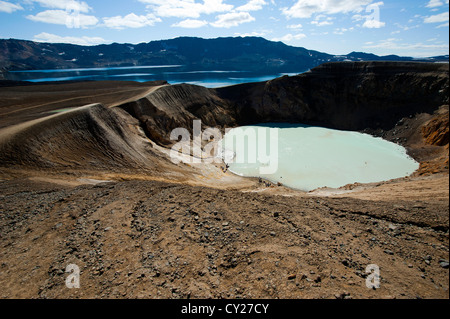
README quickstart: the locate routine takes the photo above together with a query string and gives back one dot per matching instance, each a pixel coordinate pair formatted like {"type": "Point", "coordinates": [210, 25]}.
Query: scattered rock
{"type": "Point", "coordinates": [443, 263]}
{"type": "Point", "coordinates": [361, 274]}
{"type": "Point", "coordinates": [343, 295]}
{"type": "Point", "coordinates": [346, 263]}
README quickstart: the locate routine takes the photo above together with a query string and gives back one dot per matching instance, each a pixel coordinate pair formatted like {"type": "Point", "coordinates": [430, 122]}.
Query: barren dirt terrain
{"type": "Point", "coordinates": [92, 185]}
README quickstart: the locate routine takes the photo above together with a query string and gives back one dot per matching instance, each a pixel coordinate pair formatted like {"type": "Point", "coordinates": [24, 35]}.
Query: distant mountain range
{"type": "Point", "coordinates": [250, 53]}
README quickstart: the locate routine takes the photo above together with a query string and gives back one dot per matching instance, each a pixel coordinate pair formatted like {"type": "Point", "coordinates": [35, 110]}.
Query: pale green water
{"type": "Point", "coordinates": [306, 157]}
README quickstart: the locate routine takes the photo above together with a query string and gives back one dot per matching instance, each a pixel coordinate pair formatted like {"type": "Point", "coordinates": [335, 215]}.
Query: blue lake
{"type": "Point", "coordinates": [174, 74]}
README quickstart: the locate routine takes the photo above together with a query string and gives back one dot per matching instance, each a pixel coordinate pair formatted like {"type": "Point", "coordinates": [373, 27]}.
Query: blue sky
{"type": "Point", "coordinates": [417, 28]}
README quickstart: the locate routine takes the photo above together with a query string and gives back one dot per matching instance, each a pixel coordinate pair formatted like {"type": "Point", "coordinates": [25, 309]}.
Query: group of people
{"type": "Point", "coordinates": [268, 184]}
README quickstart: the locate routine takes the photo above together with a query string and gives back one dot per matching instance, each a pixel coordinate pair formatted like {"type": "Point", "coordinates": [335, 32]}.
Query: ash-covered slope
{"type": "Point", "coordinates": [92, 136]}
{"type": "Point", "coordinates": [171, 107]}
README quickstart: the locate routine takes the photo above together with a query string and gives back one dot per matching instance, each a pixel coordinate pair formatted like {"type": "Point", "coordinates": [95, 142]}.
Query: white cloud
{"type": "Point", "coordinates": [251, 34]}
{"type": "Point", "coordinates": [294, 26]}
{"type": "Point", "coordinates": [186, 8]}
{"type": "Point", "coordinates": [252, 5]}
{"type": "Point", "coordinates": [405, 27]}
{"type": "Point", "coordinates": [341, 31]}
{"type": "Point", "coordinates": [9, 7]}
{"type": "Point", "coordinates": [438, 18]}
{"type": "Point", "coordinates": [290, 37]}
{"type": "Point", "coordinates": [435, 3]}
{"type": "Point", "coordinates": [71, 20]}
{"type": "Point", "coordinates": [358, 17]}
{"type": "Point", "coordinates": [321, 23]}
{"type": "Point", "coordinates": [326, 20]}
{"type": "Point", "coordinates": [64, 12]}
{"type": "Point", "coordinates": [416, 49]}
{"type": "Point", "coordinates": [52, 38]}
{"type": "Point", "coordinates": [306, 8]}
{"type": "Point", "coordinates": [232, 19]}
{"type": "Point", "coordinates": [68, 5]}
{"type": "Point", "coordinates": [130, 21]}
{"type": "Point", "coordinates": [190, 24]}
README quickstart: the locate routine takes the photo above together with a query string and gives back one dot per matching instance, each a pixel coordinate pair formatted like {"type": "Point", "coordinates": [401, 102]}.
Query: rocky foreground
{"type": "Point", "coordinates": [85, 179]}
{"type": "Point", "coordinates": [157, 240]}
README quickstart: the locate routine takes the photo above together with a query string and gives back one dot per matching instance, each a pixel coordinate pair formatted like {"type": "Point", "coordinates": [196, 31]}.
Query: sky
{"type": "Point", "coordinates": [417, 28]}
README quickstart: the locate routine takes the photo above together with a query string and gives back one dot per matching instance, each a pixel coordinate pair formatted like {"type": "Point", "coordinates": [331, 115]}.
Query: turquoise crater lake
{"type": "Point", "coordinates": [308, 157]}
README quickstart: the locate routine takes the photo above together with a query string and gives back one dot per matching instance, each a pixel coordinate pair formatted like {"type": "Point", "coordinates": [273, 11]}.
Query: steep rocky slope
{"type": "Point", "coordinates": [349, 96]}
{"type": "Point", "coordinates": [436, 131]}
{"type": "Point", "coordinates": [176, 106]}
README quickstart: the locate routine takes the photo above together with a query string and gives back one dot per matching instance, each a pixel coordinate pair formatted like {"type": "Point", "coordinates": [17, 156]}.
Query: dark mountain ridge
{"type": "Point", "coordinates": [250, 53]}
